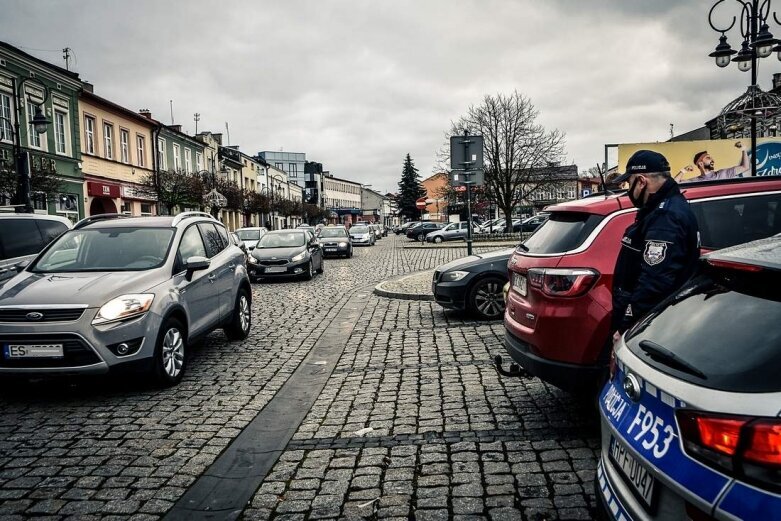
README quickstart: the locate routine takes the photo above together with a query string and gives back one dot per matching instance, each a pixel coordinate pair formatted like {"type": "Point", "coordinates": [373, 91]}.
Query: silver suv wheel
{"type": "Point", "coordinates": [244, 311]}
{"type": "Point", "coordinates": [173, 352]}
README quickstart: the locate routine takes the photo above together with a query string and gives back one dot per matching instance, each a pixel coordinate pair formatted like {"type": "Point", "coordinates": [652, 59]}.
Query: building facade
{"type": "Point", "coordinates": [436, 188]}
{"type": "Point", "coordinates": [27, 83]}
{"type": "Point", "coordinates": [375, 206]}
{"type": "Point", "coordinates": [342, 198]}
{"type": "Point", "coordinates": [313, 188]}
{"type": "Point", "coordinates": [116, 156]}
{"type": "Point", "coordinates": [292, 163]}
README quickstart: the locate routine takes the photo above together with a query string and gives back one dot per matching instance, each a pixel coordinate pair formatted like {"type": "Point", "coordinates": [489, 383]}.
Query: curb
{"type": "Point", "coordinates": [416, 246]}
{"type": "Point", "coordinates": [382, 292]}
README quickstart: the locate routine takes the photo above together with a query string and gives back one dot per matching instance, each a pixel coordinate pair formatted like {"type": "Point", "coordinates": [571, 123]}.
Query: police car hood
{"type": "Point", "coordinates": [499, 257]}
{"type": "Point", "coordinates": [91, 288]}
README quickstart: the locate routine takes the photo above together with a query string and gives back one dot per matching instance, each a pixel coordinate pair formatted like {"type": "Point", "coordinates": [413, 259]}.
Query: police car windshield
{"type": "Point", "coordinates": [359, 229]}
{"type": "Point", "coordinates": [248, 235]}
{"type": "Point", "coordinates": [720, 331]}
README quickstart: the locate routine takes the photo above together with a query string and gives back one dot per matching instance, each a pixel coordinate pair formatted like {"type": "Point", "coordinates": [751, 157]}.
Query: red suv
{"type": "Point", "coordinates": [557, 319]}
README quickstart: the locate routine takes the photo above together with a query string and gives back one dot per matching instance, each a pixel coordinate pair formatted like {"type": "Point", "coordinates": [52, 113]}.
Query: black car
{"type": "Point", "coordinates": [285, 253]}
{"type": "Point", "coordinates": [473, 284]}
{"type": "Point", "coordinates": [417, 232]}
{"type": "Point", "coordinates": [336, 242]}
{"type": "Point", "coordinates": [531, 224]}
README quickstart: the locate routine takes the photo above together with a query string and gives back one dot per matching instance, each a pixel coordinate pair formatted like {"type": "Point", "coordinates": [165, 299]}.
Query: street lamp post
{"type": "Point", "coordinates": [758, 43]}
{"type": "Point", "coordinates": [39, 124]}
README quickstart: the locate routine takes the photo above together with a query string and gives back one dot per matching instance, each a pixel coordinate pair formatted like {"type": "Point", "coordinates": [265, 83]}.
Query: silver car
{"type": "Point", "coordinates": [124, 293]}
{"type": "Point", "coordinates": [691, 425]}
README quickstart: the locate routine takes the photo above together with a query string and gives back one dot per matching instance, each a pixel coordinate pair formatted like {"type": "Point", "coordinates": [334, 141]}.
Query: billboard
{"type": "Point", "coordinates": [692, 161]}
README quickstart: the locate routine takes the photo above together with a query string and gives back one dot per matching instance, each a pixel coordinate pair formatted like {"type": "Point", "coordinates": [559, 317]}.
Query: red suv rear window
{"type": "Point", "coordinates": [563, 232]}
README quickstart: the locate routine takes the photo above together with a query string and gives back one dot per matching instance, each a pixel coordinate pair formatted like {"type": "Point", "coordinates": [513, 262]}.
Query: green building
{"type": "Point", "coordinates": [27, 83]}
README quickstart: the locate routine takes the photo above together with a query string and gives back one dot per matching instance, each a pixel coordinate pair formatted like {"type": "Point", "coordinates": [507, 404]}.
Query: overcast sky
{"type": "Point", "coordinates": [356, 85]}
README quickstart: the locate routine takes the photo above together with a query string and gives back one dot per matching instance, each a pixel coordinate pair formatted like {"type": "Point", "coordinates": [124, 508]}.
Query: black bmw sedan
{"type": "Point", "coordinates": [473, 284]}
{"type": "Point", "coordinates": [285, 253]}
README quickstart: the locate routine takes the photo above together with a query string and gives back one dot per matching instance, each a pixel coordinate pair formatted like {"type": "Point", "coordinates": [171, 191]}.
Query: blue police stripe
{"type": "Point", "coordinates": [614, 506]}
{"type": "Point", "coordinates": [690, 474]}
{"type": "Point", "coordinates": [746, 502]}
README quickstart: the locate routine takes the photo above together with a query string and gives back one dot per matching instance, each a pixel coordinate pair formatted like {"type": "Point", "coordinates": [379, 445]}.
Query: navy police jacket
{"type": "Point", "coordinates": [659, 252]}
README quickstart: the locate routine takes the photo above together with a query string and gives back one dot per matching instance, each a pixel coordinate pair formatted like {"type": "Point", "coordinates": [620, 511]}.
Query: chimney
{"type": "Point", "coordinates": [146, 113]}
{"type": "Point", "coordinates": [776, 80]}
{"type": "Point", "coordinates": [88, 87]}
{"type": "Point", "coordinates": [177, 128]}
{"type": "Point", "coordinates": [218, 138]}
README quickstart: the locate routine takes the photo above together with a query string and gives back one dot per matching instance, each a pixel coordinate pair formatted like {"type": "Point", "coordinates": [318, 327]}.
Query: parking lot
{"type": "Point", "coordinates": [412, 420]}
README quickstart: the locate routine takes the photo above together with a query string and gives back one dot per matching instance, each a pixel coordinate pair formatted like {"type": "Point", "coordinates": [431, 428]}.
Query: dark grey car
{"type": "Point", "coordinates": [286, 253]}
{"type": "Point", "coordinates": [473, 284]}
{"type": "Point", "coordinates": [336, 242]}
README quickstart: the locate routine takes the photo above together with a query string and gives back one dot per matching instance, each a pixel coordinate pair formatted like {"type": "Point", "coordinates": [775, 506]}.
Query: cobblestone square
{"type": "Point", "coordinates": [412, 422]}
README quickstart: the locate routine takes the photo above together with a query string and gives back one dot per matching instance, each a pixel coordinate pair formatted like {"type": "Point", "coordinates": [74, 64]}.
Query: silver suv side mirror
{"type": "Point", "coordinates": [193, 264]}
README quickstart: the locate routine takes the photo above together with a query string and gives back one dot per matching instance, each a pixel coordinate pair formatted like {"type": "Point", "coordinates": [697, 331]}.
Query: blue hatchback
{"type": "Point", "coordinates": [691, 416]}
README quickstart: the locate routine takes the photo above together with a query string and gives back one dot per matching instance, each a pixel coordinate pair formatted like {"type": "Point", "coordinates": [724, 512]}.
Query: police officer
{"type": "Point", "coordinates": [659, 251]}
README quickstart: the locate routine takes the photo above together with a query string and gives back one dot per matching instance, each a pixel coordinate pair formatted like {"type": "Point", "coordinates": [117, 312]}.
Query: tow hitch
{"type": "Point", "coordinates": [514, 370]}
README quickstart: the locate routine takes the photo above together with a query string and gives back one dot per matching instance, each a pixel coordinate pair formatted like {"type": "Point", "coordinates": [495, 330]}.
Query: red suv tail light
{"type": "Point", "coordinates": [563, 282]}
{"type": "Point", "coordinates": [741, 445]}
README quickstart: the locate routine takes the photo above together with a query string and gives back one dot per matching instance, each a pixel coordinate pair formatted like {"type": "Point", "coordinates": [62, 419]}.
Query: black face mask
{"type": "Point", "coordinates": [637, 201]}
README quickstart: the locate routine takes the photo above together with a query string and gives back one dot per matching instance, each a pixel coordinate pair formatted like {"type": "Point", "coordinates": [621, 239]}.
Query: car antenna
{"type": "Point", "coordinates": [604, 185]}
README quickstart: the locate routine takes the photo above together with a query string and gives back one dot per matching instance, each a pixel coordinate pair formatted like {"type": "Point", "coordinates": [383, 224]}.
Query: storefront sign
{"type": "Point", "coordinates": [102, 190]}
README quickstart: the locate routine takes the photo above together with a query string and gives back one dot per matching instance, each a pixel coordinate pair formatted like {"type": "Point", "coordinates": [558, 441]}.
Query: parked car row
{"type": "Point", "coordinates": [689, 412]}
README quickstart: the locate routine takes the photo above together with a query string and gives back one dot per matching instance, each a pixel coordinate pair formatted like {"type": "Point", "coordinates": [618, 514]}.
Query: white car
{"type": "Point", "coordinates": [251, 235]}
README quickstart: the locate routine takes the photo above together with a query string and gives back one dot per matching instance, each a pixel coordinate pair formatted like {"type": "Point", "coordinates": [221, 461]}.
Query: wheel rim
{"type": "Point", "coordinates": [437, 239]}
{"type": "Point", "coordinates": [311, 268]}
{"type": "Point", "coordinates": [244, 313]}
{"type": "Point", "coordinates": [489, 299]}
{"type": "Point", "coordinates": [173, 352]}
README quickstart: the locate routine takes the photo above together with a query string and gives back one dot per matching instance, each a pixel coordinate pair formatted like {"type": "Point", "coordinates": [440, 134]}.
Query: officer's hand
{"type": "Point", "coordinates": [616, 337]}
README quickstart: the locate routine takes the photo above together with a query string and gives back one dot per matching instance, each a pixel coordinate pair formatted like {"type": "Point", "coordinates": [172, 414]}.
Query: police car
{"type": "Point", "coordinates": [691, 415]}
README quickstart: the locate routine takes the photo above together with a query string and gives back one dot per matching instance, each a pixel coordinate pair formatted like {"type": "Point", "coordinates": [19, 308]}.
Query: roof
{"type": "Point", "coordinates": [91, 96]}
{"type": "Point", "coordinates": [604, 205]}
{"type": "Point", "coordinates": [128, 222]}
{"type": "Point", "coordinates": [763, 252]}
{"type": "Point", "coordinates": [54, 68]}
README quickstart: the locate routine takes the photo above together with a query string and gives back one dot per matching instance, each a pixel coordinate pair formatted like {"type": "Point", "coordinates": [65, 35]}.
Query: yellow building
{"type": "Point", "coordinates": [116, 156]}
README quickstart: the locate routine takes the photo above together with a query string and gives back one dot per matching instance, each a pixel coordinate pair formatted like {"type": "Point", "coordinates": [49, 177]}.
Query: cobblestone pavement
{"type": "Point", "coordinates": [413, 422]}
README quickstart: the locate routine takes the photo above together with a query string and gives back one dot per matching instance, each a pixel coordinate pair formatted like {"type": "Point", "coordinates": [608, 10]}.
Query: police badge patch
{"type": "Point", "coordinates": [654, 252]}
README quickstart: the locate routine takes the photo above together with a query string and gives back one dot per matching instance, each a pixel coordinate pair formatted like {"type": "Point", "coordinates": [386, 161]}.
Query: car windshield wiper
{"type": "Point", "coordinates": [667, 357]}
{"type": "Point", "coordinates": [522, 246]}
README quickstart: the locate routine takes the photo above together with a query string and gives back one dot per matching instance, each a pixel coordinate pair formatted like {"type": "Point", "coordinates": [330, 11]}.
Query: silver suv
{"type": "Point", "coordinates": [124, 293]}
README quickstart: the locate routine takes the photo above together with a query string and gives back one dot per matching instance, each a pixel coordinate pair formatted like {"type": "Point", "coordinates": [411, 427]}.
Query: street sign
{"type": "Point", "coordinates": [473, 177]}
{"type": "Point", "coordinates": [420, 204]}
{"type": "Point", "coordinates": [466, 152]}
{"type": "Point", "coordinates": [586, 192]}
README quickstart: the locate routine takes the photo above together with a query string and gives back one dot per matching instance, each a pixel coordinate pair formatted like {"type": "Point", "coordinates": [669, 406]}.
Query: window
{"type": "Point", "coordinates": [50, 230]}
{"type": "Point", "coordinates": [293, 169]}
{"type": "Point", "coordinates": [140, 150]}
{"type": "Point", "coordinates": [108, 141]}
{"type": "Point", "coordinates": [727, 222]}
{"type": "Point", "coordinates": [39, 201]}
{"type": "Point", "coordinates": [33, 137]}
{"type": "Point", "coordinates": [177, 158]}
{"type": "Point", "coordinates": [127, 208]}
{"type": "Point", "coordinates": [188, 160]}
{"type": "Point", "coordinates": [89, 134]}
{"type": "Point", "coordinates": [146, 209]}
{"type": "Point", "coordinates": [124, 144]}
{"type": "Point", "coordinates": [59, 132]}
{"type": "Point", "coordinates": [211, 239]}
{"type": "Point", "coordinates": [191, 245]}
{"type": "Point", "coordinates": [161, 160]}
{"type": "Point", "coordinates": [23, 238]}
{"type": "Point", "coordinates": [6, 118]}
{"type": "Point", "coordinates": [563, 232]}
{"type": "Point", "coordinates": [199, 161]}
{"type": "Point", "coordinates": [279, 166]}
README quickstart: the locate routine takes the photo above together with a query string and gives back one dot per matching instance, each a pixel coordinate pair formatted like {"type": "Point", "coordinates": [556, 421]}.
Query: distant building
{"type": "Point", "coordinates": [292, 163]}
{"type": "Point", "coordinates": [342, 198]}
{"type": "Point", "coordinates": [436, 188]}
{"type": "Point", "coordinates": [313, 188]}
{"type": "Point", "coordinates": [376, 207]}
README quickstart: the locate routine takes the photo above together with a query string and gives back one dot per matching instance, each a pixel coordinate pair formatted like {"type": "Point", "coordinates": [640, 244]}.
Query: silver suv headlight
{"type": "Point", "coordinates": [123, 308]}
{"type": "Point", "coordinates": [342, 244]}
{"type": "Point", "coordinates": [252, 260]}
{"type": "Point", "coordinates": [298, 257]}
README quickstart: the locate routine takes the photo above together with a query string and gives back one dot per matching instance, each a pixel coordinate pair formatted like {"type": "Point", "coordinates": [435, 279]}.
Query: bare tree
{"type": "Point", "coordinates": [172, 188]}
{"type": "Point", "coordinates": [43, 179]}
{"type": "Point", "coordinates": [518, 152]}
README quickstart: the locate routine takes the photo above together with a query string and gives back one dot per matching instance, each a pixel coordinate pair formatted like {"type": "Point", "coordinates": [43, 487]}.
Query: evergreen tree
{"type": "Point", "coordinates": [410, 190]}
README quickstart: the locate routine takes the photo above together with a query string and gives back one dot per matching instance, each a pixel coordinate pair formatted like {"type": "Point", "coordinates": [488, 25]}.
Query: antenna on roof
{"type": "Point", "coordinates": [66, 55]}
{"type": "Point", "coordinates": [171, 102]}
{"type": "Point", "coordinates": [602, 179]}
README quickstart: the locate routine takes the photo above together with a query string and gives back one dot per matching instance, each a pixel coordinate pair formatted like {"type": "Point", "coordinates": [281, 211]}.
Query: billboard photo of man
{"type": "Point", "coordinates": [704, 162]}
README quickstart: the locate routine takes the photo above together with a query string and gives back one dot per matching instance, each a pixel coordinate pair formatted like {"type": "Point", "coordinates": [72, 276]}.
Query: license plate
{"type": "Point", "coordinates": [330, 249]}
{"type": "Point", "coordinates": [633, 472]}
{"type": "Point", "coordinates": [519, 283]}
{"type": "Point", "coordinates": [33, 351]}
{"type": "Point", "coordinates": [276, 269]}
